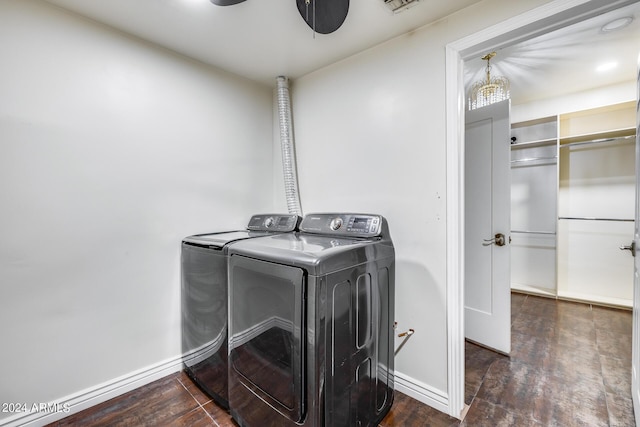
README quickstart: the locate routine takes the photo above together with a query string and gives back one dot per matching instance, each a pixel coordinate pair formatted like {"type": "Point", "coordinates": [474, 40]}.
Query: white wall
{"type": "Point", "coordinates": [111, 150]}
{"type": "Point", "coordinates": [606, 95]}
{"type": "Point", "coordinates": [370, 135]}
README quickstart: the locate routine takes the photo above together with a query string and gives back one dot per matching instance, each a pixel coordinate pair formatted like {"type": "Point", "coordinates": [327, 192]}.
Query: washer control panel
{"type": "Point", "coordinates": [358, 225]}
{"type": "Point", "coordinates": [274, 222]}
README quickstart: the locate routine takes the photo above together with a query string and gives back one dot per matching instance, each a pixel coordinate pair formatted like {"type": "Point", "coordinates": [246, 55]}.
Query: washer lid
{"type": "Point", "coordinates": [219, 240]}
{"type": "Point", "coordinates": [259, 225]}
{"type": "Point", "coordinates": [317, 254]}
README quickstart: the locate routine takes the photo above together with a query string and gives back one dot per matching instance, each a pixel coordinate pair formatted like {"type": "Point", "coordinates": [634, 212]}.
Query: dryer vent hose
{"type": "Point", "coordinates": [287, 146]}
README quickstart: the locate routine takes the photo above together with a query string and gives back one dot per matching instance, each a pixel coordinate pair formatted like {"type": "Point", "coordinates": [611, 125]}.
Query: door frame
{"type": "Point", "coordinates": [635, 386]}
{"type": "Point", "coordinates": [543, 19]}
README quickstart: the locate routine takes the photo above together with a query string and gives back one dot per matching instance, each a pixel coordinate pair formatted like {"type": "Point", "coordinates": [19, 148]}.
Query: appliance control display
{"type": "Point", "coordinates": [360, 223]}
{"type": "Point", "coordinates": [284, 221]}
{"type": "Point", "coordinates": [357, 225]}
{"type": "Point", "coordinates": [273, 222]}
{"type": "Point", "coordinates": [363, 224]}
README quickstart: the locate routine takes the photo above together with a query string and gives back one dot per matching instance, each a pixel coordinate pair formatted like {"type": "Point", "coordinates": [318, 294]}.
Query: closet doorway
{"type": "Point", "coordinates": [460, 56]}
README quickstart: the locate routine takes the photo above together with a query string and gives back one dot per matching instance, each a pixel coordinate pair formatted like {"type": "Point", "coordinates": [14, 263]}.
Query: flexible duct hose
{"type": "Point", "coordinates": [286, 143]}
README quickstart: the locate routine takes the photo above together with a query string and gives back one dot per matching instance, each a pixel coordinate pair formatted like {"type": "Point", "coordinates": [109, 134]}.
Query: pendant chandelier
{"type": "Point", "coordinates": [490, 90]}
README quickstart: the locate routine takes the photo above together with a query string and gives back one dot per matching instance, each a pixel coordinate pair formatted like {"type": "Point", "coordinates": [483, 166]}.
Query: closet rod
{"type": "Point", "coordinates": [591, 218]}
{"type": "Point", "coordinates": [534, 232]}
{"type": "Point", "coordinates": [532, 159]}
{"type": "Point", "coordinates": [599, 141]}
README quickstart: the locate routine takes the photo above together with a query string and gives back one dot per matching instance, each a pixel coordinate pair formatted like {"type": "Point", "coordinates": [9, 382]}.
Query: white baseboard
{"type": "Point", "coordinates": [533, 290]}
{"type": "Point", "coordinates": [635, 394]}
{"type": "Point", "coordinates": [92, 396]}
{"type": "Point", "coordinates": [595, 299]}
{"type": "Point", "coordinates": [424, 393]}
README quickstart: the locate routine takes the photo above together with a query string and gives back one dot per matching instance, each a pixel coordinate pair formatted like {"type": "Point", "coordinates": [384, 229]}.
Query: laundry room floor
{"type": "Point", "coordinates": [570, 365]}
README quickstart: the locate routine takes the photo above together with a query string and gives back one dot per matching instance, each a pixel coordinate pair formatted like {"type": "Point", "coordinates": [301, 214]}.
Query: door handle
{"type": "Point", "coordinates": [631, 247]}
{"type": "Point", "coordinates": [498, 239]}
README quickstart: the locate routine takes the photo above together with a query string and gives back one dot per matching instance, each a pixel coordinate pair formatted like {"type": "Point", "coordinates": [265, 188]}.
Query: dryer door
{"type": "Point", "coordinates": [266, 339]}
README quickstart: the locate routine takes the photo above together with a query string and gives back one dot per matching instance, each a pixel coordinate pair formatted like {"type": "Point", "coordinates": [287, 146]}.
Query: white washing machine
{"type": "Point", "coordinates": [205, 296]}
{"type": "Point", "coordinates": [311, 324]}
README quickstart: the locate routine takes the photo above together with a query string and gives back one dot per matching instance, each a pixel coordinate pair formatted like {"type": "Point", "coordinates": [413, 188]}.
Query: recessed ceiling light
{"type": "Point", "coordinates": [606, 67]}
{"type": "Point", "coordinates": [617, 24]}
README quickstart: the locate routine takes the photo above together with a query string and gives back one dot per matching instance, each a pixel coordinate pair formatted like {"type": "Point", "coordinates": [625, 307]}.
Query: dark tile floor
{"type": "Point", "coordinates": [570, 365]}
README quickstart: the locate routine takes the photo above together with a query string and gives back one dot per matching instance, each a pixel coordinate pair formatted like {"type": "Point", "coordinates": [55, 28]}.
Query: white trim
{"type": "Point", "coordinates": [635, 355]}
{"type": "Point", "coordinates": [548, 17]}
{"type": "Point", "coordinates": [422, 392]}
{"type": "Point", "coordinates": [595, 299]}
{"type": "Point", "coordinates": [533, 290]}
{"type": "Point", "coordinates": [455, 231]}
{"type": "Point", "coordinates": [92, 396]}
{"type": "Point", "coordinates": [635, 394]}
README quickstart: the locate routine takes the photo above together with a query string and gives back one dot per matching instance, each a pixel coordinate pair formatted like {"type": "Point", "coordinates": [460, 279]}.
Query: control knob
{"type": "Point", "coordinates": [336, 223]}
{"type": "Point", "coordinates": [269, 222]}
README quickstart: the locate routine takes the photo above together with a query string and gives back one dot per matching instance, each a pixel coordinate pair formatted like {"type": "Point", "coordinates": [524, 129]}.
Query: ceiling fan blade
{"type": "Point", "coordinates": [323, 16]}
{"type": "Point", "coordinates": [226, 2]}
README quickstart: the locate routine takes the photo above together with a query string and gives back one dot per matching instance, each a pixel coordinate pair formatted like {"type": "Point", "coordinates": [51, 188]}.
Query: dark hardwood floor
{"type": "Point", "coordinates": [570, 365]}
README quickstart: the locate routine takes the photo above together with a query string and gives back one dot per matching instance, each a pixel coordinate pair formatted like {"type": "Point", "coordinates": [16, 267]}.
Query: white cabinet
{"type": "Point", "coordinates": [534, 184]}
{"type": "Point", "coordinates": [596, 201]}
{"type": "Point", "coordinates": [572, 201]}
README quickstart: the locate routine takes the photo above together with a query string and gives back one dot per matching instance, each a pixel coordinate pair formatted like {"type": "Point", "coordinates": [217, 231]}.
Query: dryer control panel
{"type": "Point", "coordinates": [344, 224]}
{"type": "Point", "coordinates": [274, 222]}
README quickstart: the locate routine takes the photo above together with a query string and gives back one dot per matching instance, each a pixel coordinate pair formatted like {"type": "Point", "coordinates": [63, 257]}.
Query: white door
{"type": "Point", "coordinates": [635, 383]}
{"type": "Point", "coordinates": [488, 226]}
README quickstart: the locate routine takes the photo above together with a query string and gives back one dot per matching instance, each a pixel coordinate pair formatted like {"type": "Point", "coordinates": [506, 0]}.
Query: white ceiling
{"type": "Point", "coordinates": [567, 60]}
{"type": "Point", "coordinates": [259, 39]}
{"type": "Point", "coordinates": [262, 39]}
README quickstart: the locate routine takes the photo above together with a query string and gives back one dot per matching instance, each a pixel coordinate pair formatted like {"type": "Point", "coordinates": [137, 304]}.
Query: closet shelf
{"type": "Point", "coordinates": [535, 159]}
{"type": "Point", "coordinates": [552, 233]}
{"type": "Point", "coordinates": [598, 137]}
{"type": "Point", "coordinates": [537, 143]}
{"type": "Point", "coordinates": [628, 138]}
{"type": "Point", "coordinates": [592, 218]}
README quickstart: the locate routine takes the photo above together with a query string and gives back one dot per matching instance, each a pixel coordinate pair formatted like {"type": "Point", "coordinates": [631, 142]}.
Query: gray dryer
{"type": "Point", "coordinates": [204, 300]}
{"type": "Point", "coordinates": [311, 324]}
